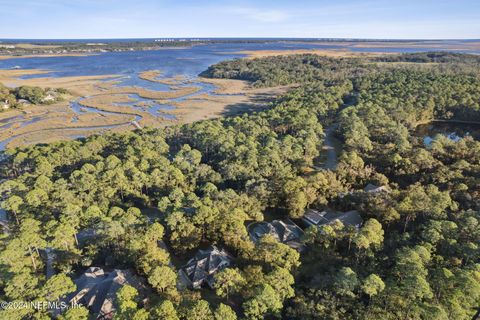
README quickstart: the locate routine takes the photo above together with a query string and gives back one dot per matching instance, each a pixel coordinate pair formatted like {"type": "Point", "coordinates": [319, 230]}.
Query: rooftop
{"type": "Point", "coordinates": [371, 188]}
{"type": "Point", "coordinates": [97, 289]}
{"type": "Point", "coordinates": [284, 231]}
{"type": "Point", "coordinates": [318, 218]}
{"type": "Point", "coordinates": [202, 267]}
{"type": "Point", "coordinates": [314, 217]}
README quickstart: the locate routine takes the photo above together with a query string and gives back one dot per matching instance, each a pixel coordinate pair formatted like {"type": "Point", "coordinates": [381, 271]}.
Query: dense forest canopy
{"type": "Point", "coordinates": [432, 57]}
{"type": "Point", "coordinates": [416, 256]}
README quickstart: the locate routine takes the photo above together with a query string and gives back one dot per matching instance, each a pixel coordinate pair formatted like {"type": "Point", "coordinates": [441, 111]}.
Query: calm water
{"type": "Point", "coordinates": [453, 131]}
{"type": "Point", "coordinates": [186, 62]}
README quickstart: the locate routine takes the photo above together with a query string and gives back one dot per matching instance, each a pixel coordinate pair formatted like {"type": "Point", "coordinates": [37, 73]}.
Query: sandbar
{"type": "Point", "coordinates": [153, 76]}
{"type": "Point", "coordinates": [47, 123]}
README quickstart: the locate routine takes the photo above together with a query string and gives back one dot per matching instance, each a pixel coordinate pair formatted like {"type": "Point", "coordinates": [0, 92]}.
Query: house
{"type": "Point", "coordinates": [285, 232]}
{"type": "Point", "coordinates": [203, 266]}
{"type": "Point", "coordinates": [5, 105]}
{"type": "Point", "coordinates": [371, 188]}
{"type": "Point", "coordinates": [24, 102]}
{"type": "Point", "coordinates": [318, 218]}
{"type": "Point", "coordinates": [313, 217]}
{"type": "Point", "coordinates": [97, 290]}
{"type": "Point", "coordinates": [48, 97]}
{"type": "Point", "coordinates": [349, 218]}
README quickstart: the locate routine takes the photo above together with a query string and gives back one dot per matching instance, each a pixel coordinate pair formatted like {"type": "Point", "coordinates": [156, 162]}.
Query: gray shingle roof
{"type": "Point", "coordinates": [371, 188]}
{"type": "Point", "coordinates": [97, 289]}
{"type": "Point", "coordinates": [205, 264]}
{"type": "Point", "coordinates": [349, 218]}
{"type": "Point", "coordinates": [314, 217]}
{"type": "Point", "coordinates": [317, 218]}
{"type": "Point", "coordinates": [285, 232]}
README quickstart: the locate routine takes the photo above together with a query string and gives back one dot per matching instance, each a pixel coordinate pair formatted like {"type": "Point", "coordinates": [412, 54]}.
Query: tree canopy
{"type": "Point", "coordinates": [146, 200]}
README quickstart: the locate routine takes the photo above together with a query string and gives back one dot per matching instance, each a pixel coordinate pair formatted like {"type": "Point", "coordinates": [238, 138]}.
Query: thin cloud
{"type": "Point", "coordinates": [233, 18]}
{"type": "Point", "coordinates": [260, 15]}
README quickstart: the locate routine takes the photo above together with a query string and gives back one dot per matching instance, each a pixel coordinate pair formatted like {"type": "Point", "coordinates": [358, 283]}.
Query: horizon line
{"type": "Point", "coordinates": [254, 38]}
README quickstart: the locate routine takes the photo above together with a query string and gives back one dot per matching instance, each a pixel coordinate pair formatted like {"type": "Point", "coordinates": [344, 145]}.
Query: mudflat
{"type": "Point", "coordinates": [47, 123]}
{"type": "Point", "coordinates": [153, 76]}
{"type": "Point", "coordinates": [231, 97]}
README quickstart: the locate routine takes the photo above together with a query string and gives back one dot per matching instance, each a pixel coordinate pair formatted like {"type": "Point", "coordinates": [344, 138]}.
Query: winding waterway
{"type": "Point", "coordinates": [185, 63]}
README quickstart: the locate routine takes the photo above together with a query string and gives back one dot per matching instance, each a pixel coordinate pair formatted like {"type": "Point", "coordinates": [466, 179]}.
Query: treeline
{"type": "Point", "coordinates": [60, 47]}
{"type": "Point", "coordinates": [391, 104]}
{"type": "Point", "coordinates": [11, 48]}
{"type": "Point", "coordinates": [207, 179]}
{"type": "Point", "coordinates": [302, 68]}
{"type": "Point", "coordinates": [415, 257]}
{"type": "Point", "coordinates": [431, 57]}
{"type": "Point", "coordinates": [15, 98]}
{"type": "Point", "coordinates": [284, 70]}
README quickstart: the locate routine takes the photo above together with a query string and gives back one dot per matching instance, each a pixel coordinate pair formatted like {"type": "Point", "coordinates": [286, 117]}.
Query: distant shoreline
{"type": "Point", "coordinates": [51, 55]}
{"type": "Point", "coordinates": [331, 47]}
{"type": "Point", "coordinates": [83, 48]}
{"type": "Point", "coordinates": [80, 54]}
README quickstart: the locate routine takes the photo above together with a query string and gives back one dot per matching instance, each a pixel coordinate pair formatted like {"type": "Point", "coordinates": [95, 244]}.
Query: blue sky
{"type": "Point", "coordinates": [270, 18]}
